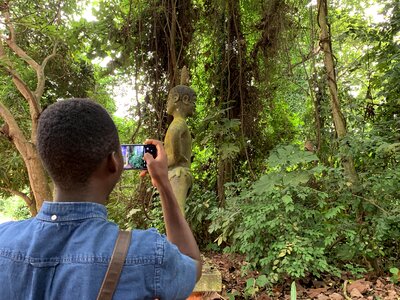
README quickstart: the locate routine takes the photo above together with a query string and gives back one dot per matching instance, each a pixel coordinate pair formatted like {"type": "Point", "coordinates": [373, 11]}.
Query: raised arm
{"type": "Point", "coordinates": [178, 230]}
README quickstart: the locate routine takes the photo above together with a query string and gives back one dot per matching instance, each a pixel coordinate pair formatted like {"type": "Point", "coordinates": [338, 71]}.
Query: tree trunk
{"type": "Point", "coordinates": [37, 175]}
{"type": "Point", "coordinates": [338, 118]}
{"type": "Point", "coordinates": [225, 172]}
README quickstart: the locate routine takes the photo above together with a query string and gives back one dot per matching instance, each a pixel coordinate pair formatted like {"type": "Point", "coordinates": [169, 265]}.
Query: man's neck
{"type": "Point", "coordinates": [79, 196]}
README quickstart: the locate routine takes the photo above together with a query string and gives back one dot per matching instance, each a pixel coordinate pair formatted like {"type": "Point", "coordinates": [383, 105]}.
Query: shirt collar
{"type": "Point", "coordinates": [71, 211]}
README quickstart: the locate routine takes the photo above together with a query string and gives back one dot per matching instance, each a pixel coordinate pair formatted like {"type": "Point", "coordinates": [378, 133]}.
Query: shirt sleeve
{"type": "Point", "coordinates": [177, 274]}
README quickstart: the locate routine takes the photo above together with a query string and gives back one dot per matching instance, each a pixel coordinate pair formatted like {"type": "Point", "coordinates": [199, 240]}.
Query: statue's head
{"type": "Point", "coordinates": [181, 99]}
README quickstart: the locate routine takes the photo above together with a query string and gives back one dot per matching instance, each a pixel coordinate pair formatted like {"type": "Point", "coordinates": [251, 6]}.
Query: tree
{"type": "Point", "coordinates": [338, 118]}
{"type": "Point", "coordinates": [26, 146]}
{"type": "Point", "coordinates": [36, 67]}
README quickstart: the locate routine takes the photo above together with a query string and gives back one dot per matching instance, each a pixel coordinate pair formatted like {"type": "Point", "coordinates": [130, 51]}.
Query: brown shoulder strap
{"type": "Point", "coordinates": [111, 279]}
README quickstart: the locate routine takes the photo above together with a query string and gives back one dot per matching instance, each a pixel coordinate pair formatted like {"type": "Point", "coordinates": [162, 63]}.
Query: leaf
{"type": "Point", "coordinates": [295, 178]}
{"type": "Point", "coordinates": [287, 200]}
{"type": "Point", "coordinates": [333, 212]}
{"type": "Point", "coordinates": [250, 283]}
{"type": "Point", "coordinates": [290, 155]}
{"type": "Point", "coordinates": [228, 150]}
{"type": "Point", "coordinates": [266, 183]}
{"type": "Point", "coordinates": [262, 281]}
{"type": "Point", "coordinates": [282, 253]}
{"type": "Point", "coordinates": [293, 291]}
{"type": "Point", "coordinates": [219, 240]}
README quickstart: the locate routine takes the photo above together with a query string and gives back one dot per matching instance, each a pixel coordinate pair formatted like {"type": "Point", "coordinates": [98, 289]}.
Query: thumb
{"type": "Point", "coordinates": [148, 157]}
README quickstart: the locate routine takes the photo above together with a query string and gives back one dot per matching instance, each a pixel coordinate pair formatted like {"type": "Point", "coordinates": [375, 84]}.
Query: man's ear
{"type": "Point", "coordinates": [112, 162]}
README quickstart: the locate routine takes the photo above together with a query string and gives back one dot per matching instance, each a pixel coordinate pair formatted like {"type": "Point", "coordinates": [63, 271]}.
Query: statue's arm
{"type": "Point", "coordinates": [175, 144]}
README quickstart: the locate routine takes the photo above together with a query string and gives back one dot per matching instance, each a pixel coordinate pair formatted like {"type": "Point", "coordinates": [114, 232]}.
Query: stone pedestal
{"type": "Point", "coordinates": [210, 281]}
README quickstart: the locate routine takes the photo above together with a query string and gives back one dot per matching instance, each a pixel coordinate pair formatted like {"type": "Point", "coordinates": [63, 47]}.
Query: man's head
{"type": "Point", "coordinates": [74, 139]}
{"type": "Point", "coordinates": [181, 99]}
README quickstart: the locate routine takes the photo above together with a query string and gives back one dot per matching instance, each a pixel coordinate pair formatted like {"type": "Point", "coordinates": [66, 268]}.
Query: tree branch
{"type": "Point", "coordinates": [13, 45]}
{"type": "Point", "coordinates": [307, 57]}
{"type": "Point", "coordinates": [41, 79]}
{"type": "Point", "coordinates": [33, 98]}
{"type": "Point", "coordinates": [31, 204]}
{"type": "Point", "coordinates": [23, 88]}
{"type": "Point", "coordinates": [14, 132]}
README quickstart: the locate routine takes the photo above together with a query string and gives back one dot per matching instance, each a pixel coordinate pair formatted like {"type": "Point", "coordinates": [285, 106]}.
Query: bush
{"type": "Point", "coordinates": [14, 208]}
{"type": "Point", "coordinates": [301, 219]}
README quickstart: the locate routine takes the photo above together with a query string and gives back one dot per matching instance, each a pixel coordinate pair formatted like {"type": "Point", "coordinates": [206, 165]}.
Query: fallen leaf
{"type": "Point", "coordinates": [379, 284]}
{"type": "Point", "coordinates": [336, 296]}
{"type": "Point", "coordinates": [355, 293]}
{"type": "Point", "coordinates": [264, 297]}
{"type": "Point", "coordinates": [312, 293]}
{"type": "Point", "coordinates": [300, 290]}
{"type": "Point", "coordinates": [361, 285]}
{"type": "Point", "coordinates": [392, 295]}
{"type": "Point", "coordinates": [322, 297]}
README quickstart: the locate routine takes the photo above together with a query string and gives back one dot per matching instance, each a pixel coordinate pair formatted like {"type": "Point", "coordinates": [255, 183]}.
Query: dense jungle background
{"type": "Point", "coordinates": [296, 134]}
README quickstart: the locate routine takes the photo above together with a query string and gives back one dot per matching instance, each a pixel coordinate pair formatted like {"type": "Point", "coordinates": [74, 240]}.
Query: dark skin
{"type": "Point", "coordinates": [100, 184]}
{"type": "Point", "coordinates": [105, 177]}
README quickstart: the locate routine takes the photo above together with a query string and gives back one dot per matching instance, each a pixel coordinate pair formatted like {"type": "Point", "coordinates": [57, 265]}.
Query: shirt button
{"type": "Point", "coordinates": [53, 217]}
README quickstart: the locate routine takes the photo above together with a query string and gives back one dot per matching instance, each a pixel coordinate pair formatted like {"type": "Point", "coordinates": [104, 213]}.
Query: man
{"type": "Point", "coordinates": [64, 252]}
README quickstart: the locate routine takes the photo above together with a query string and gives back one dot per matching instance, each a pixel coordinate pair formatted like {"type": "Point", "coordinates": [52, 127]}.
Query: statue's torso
{"type": "Point", "coordinates": [178, 144]}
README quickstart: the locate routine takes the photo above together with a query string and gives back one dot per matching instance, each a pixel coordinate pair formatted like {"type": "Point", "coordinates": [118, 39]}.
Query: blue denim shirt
{"type": "Point", "coordinates": [63, 253]}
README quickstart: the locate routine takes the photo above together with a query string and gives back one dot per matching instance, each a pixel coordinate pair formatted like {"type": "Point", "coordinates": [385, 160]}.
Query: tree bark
{"type": "Point", "coordinates": [337, 115]}
{"type": "Point", "coordinates": [37, 176]}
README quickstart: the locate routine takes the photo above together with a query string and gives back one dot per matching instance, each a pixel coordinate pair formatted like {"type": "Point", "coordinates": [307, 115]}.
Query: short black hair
{"type": "Point", "coordinates": [74, 136]}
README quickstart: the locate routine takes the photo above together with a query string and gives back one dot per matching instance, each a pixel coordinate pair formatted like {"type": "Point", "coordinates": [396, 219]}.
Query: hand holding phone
{"type": "Point", "coordinates": [157, 167]}
{"type": "Point", "coordinates": [133, 155]}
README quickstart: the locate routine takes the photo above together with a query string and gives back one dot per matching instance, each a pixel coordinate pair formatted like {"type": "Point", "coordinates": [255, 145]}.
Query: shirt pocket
{"type": "Point", "coordinates": [24, 280]}
{"type": "Point", "coordinates": [39, 277]}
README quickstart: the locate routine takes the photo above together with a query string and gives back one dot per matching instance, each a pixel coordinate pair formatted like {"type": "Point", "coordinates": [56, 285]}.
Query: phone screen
{"type": "Point", "coordinates": [133, 156]}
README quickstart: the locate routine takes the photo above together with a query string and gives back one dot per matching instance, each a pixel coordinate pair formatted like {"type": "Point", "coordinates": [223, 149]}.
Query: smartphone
{"type": "Point", "coordinates": [133, 155]}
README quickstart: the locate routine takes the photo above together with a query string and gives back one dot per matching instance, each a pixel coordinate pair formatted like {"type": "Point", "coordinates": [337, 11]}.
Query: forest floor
{"type": "Point", "coordinates": [345, 288]}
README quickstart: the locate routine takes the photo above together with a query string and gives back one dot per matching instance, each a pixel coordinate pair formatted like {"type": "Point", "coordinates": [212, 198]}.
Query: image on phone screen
{"type": "Point", "coordinates": [133, 156]}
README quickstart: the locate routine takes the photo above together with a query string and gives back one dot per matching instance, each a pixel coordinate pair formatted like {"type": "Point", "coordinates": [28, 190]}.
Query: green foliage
{"type": "Point", "coordinates": [14, 208]}
{"type": "Point", "coordinates": [299, 219]}
{"type": "Point", "coordinates": [260, 83]}
{"type": "Point", "coordinates": [198, 207]}
{"type": "Point", "coordinates": [134, 203]}
{"type": "Point", "coordinates": [395, 275]}
{"type": "Point", "coordinates": [13, 174]}
{"type": "Point", "coordinates": [255, 285]}
{"type": "Point", "coordinates": [222, 132]}
{"type": "Point", "coordinates": [256, 221]}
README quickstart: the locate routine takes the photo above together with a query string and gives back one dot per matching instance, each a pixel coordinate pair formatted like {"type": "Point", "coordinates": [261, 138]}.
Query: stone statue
{"type": "Point", "coordinates": [178, 142]}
